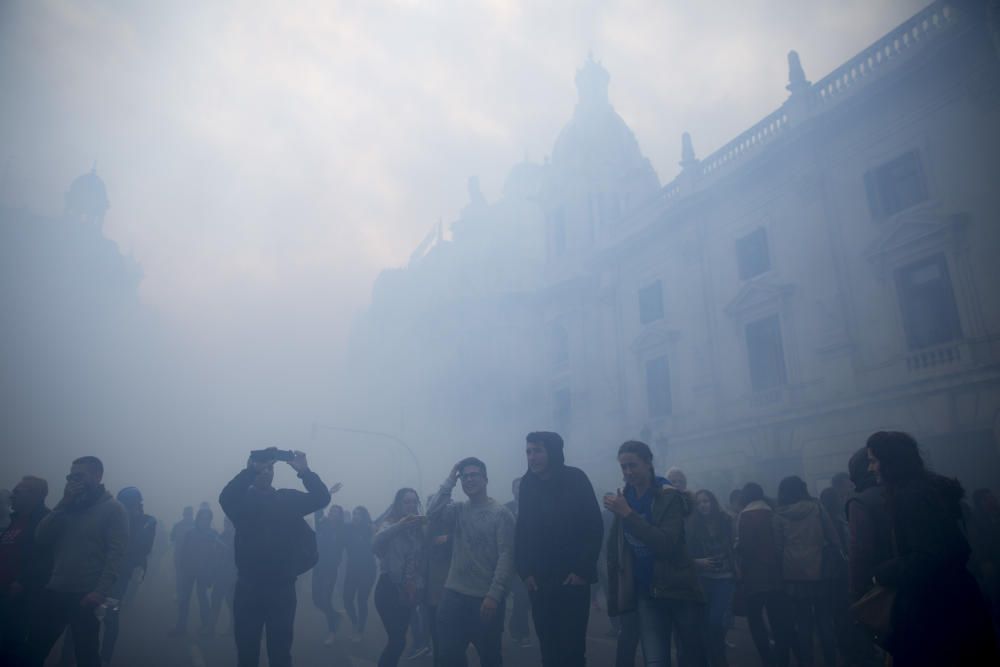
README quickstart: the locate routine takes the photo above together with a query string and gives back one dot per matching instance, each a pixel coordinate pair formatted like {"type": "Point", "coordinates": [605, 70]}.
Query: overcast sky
{"type": "Point", "coordinates": [265, 160]}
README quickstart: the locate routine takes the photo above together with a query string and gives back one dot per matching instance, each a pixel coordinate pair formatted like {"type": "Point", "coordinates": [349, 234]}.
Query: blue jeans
{"type": "Point", "coordinates": [659, 618]}
{"type": "Point", "coordinates": [458, 625]}
{"type": "Point", "coordinates": [324, 580]}
{"type": "Point", "coordinates": [628, 639]}
{"type": "Point", "coordinates": [718, 613]}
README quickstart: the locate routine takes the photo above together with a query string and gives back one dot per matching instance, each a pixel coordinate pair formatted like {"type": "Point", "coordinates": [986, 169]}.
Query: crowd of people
{"type": "Point", "coordinates": [890, 562]}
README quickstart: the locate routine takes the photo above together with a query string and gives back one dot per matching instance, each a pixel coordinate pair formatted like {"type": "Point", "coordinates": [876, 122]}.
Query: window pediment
{"type": "Point", "coordinates": [654, 336]}
{"type": "Point", "coordinates": [913, 233]}
{"type": "Point", "coordinates": [757, 296]}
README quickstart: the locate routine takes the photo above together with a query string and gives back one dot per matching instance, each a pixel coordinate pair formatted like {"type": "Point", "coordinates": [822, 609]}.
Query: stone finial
{"type": "Point", "coordinates": [687, 152]}
{"type": "Point", "coordinates": [797, 81]}
{"type": "Point", "coordinates": [592, 84]}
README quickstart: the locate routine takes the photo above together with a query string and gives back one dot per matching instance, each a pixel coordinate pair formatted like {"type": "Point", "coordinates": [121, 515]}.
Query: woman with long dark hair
{"type": "Point", "coordinates": [710, 542]}
{"type": "Point", "coordinates": [330, 544]}
{"type": "Point", "coordinates": [359, 571]}
{"type": "Point", "coordinates": [400, 544]}
{"type": "Point", "coordinates": [939, 616]}
{"type": "Point", "coordinates": [649, 568]}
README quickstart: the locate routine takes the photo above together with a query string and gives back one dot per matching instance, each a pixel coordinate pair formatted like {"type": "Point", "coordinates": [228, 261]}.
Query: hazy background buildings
{"type": "Point", "coordinates": [825, 274]}
{"type": "Point", "coordinates": [263, 167]}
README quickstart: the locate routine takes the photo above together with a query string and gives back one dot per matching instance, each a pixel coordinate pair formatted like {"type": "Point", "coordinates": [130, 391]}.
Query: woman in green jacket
{"type": "Point", "coordinates": [649, 568]}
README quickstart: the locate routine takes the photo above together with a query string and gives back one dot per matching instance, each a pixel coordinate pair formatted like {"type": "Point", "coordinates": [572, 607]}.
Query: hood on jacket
{"type": "Point", "coordinates": [949, 487]}
{"type": "Point", "coordinates": [553, 444]}
{"type": "Point", "coordinates": [685, 498]}
{"type": "Point", "coordinates": [757, 505]}
{"type": "Point", "coordinates": [951, 492]}
{"type": "Point", "coordinates": [800, 510]}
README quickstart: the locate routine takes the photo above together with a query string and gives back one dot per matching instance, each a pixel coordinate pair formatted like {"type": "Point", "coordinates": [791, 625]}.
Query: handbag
{"type": "Point", "coordinates": [874, 612]}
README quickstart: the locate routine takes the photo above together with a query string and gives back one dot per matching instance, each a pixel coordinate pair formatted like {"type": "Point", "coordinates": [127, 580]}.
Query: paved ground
{"type": "Point", "coordinates": [144, 641]}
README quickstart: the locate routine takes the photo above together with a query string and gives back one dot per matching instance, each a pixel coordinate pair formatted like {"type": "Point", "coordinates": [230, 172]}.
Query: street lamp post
{"type": "Point", "coordinates": [316, 426]}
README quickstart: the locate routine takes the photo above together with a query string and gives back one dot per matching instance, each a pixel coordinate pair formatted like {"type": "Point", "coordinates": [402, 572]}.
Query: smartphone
{"type": "Point", "coordinates": [272, 454]}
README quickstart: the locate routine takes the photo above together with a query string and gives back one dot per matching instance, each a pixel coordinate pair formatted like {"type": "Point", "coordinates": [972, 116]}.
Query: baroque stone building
{"type": "Point", "coordinates": [829, 272]}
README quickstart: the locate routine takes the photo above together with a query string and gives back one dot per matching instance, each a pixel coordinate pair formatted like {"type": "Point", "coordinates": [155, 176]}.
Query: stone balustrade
{"type": "Point", "coordinates": [936, 356]}
{"type": "Point", "coordinates": [921, 28]}
{"type": "Point", "coordinates": [756, 136]}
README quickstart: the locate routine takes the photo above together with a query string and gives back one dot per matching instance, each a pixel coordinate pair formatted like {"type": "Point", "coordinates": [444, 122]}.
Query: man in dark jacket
{"type": "Point", "coordinates": [177, 533]}
{"type": "Point", "coordinates": [141, 533]}
{"type": "Point", "coordinates": [273, 545]}
{"type": "Point", "coordinates": [759, 563]}
{"type": "Point", "coordinates": [556, 545]}
{"type": "Point", "coordinates": [197, 557]}
{"type": "Point", "coordinates": [87, 532]}
{"type": "Point", "coordinates": [24, 566]}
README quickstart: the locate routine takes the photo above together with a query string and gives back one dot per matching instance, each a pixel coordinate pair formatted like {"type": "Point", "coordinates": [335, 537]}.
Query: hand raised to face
{"type": "Point", "coordinates": [616, 504]}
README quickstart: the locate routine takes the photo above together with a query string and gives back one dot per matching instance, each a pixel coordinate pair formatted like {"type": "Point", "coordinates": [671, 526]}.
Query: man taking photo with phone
{"type": "Point", "coordinates": [273, 546]}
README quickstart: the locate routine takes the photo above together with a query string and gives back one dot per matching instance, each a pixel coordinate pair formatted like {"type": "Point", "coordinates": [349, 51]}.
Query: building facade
{"type": "Point", "coordinates": [829, 272]}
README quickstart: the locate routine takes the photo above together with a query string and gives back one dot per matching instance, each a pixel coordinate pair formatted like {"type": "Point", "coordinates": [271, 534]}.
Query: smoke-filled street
{"type": "Point", "coordinates": [607, 332]}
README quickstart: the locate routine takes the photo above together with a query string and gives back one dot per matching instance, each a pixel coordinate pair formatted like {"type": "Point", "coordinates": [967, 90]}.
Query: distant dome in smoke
{"type": "Point", "coordinates": [87, 198]}
{"type": "Point", "coordinates": [596, 150]}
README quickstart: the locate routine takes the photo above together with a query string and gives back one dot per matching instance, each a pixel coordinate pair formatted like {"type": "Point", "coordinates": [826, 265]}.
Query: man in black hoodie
{"type": "Point", "coordinates": [273, 545]}
{"type": "Point", "coordinates": [557, 541]}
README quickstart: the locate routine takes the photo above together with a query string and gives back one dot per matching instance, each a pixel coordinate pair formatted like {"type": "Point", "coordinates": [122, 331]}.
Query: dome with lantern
{"type": "Point", "coordinates": [87, 198]}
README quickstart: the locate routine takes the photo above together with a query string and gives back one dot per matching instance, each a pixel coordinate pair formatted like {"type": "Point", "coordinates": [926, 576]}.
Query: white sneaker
{"type": "Point", "coordinates": [330, 639]}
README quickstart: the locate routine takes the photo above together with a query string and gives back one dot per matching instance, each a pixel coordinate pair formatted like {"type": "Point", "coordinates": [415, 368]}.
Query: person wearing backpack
{"type": "Point", "coordinates": [273, 545]}
{"type": "Point", "coordinates": [808, 541]}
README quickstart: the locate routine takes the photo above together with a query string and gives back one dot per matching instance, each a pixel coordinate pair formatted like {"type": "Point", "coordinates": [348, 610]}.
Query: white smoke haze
{"type": "Point", "coordinates": [264, 161]}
